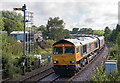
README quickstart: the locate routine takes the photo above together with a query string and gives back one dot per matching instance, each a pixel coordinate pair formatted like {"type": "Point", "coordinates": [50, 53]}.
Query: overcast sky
{"type": "Point", "coordinates": [95, 14]}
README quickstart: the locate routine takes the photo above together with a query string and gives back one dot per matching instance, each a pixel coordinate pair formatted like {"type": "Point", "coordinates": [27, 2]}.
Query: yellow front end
{"type": "Point", "coordinates": [66, 56]}
{"type": "Point", "coordinates": [64, 59]}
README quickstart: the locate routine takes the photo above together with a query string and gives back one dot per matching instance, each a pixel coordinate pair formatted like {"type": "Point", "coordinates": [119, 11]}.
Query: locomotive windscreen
{"type": "Point", "coordinates": [58, 50]}
{"type": "Point", "coordinates": [69, 50]}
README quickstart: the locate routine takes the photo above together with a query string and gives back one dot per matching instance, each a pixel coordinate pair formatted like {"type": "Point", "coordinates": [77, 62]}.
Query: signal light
{"type": "Point", "coordinates": [17, 8]}
{"type": "Point", "coordinates": [55, 62]}
{"type": "Point", "coordinates": [71, 61]}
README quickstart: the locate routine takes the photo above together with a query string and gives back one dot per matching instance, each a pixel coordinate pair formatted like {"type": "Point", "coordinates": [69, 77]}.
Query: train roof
{"type": "Point", "coordinates": [86, 40]}
{"type": "Point", "coordinates": [77, 42]}
{"type": "Point", "coordinates": [101, 37]}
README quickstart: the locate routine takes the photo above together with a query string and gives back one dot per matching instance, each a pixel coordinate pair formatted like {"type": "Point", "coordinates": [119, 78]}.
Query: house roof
{"type": "Point", "coordinates": [19, 32]}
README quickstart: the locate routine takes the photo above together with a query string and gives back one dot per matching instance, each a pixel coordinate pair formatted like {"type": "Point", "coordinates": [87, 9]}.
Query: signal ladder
{"type": "Point", "coordinates": [30, 39]}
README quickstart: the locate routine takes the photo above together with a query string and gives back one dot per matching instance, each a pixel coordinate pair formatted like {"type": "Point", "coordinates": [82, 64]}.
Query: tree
{"type": "Point", "coordinates": [98, 32]}
{"type": "Point", "coordinates": [42, 28]}
{"type": "Point", "coordinates": [55, 28]}
{"type": "Point", "coordinates": [1, 24]}
{"type": "Point", "coordinates": [55, 23]}
{"type": "Point", "coordinates": [74, 31]}
{"type": "Point", "coordinates": [12, 21]}
{"type": "Point", "coordinates": [66, 33]}
{"type": "Point", "coordinates": [107, 30]}
{"type": "Point", "coordinates": [85, 31]}
{"type": "Point", "coordinates": [11, 25]}
{"type": "Point", "coordinates": [118, 40]}
{"type": "Point", "coordinates": [107, 33]}
{"type": "Point", "coordinates": [56, 34]}
{"type": "Point", "coordinates": [33, 26]}
{"type": "Point", "coordinates": [113, 35]}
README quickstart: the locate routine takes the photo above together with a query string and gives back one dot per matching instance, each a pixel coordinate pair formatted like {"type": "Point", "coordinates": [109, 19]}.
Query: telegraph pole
{"type": "Point", "coordinates": [23, 9]}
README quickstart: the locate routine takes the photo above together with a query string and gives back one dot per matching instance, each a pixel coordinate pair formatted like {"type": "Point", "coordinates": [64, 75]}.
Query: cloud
{"type": "Point", "coordinates": [88, 13]}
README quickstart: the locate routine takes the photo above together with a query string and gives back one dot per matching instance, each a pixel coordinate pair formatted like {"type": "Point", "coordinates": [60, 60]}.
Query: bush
{"type": "Point", "coordinates": [100, 76]}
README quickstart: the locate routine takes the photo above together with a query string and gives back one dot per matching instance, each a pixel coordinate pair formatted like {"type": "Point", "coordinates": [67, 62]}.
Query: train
{"type": "Point", "coordinates": [71, 55]}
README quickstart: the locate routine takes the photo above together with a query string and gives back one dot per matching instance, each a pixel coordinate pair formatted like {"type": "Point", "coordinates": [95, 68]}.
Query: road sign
{"type": "Point", "coordinates": [17, 8]}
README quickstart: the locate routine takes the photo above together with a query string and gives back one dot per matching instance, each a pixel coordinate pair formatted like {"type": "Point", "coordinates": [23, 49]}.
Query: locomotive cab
{"type": "Point", "coordinates": [64, 57]}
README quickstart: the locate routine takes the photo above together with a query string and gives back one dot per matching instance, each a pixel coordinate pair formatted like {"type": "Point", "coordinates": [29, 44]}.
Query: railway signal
{"type": "Point", "coordinates": [23, 9]}
{"type": "Point", "coordinates": [17, 8]}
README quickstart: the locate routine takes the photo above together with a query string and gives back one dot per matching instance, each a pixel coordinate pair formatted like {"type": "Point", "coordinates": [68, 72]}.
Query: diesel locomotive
{"type": "Point", "coordinates": [70, 55]}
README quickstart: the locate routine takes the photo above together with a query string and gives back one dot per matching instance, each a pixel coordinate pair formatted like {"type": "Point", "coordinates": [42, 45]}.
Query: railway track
{"type": "Point", "coordinates": [57, 78]}
{"type": "Point", "coordinates": [42, 71]}
{"type": "Point", "coordinates": [71, 78]}
{"type": "Point", "coordinates": [48, 75]}
{"type": "Point", "coordinates": [40, 76]}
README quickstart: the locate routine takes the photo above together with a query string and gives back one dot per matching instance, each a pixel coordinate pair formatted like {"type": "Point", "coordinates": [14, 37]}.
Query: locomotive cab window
{"type": "Point", "coordinates": [69, 50]}
{"type": "Point", "coordinates": [77, 49]}
{"type": "Point", "coordinates": [96, 45]}
{"type": "Point", "coordinates": [85, 49]}
{"type": "Point", "coordinates": [58, 50]}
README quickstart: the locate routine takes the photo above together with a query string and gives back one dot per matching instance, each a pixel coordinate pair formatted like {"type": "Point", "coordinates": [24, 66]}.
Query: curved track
{"type": "Point", "coordinates": [84, 73]}
{"type": "Point", "coordinates": [48, 74]}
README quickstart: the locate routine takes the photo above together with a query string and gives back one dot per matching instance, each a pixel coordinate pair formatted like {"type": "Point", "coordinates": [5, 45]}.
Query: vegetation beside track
{"type": "Point", "coordinates": [12, 53]}
{"type": "Point", "coordinates": [112, 38]}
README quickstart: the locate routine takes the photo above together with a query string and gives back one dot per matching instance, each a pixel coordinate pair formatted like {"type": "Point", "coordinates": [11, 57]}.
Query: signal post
{"type": "Point", "coordinates": [23, 9]}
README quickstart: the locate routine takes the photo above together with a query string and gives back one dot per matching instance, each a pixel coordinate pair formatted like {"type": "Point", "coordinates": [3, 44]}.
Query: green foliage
{"type": "Point", "coordinates": [98, 32]}
{"type": "Point", "coordinates": [55, 23]}
{"type": "Point", "coordinates": [100, 76]}
{"type": "Point", "coordinates": [118, 41]}
{"type": "Point", "coordinates": [10, 50]}
{"type": "Point", "coordinates": [113, 52]}
{"type": "Point", "coordinates": [42, 28]}
{"type": "Point", "coordinates": [12, 21]}
{"type": "Point", "coordinates": [114, 34]}
{"type": "Point", "coordinates": [74, 31]}
{"type": "Point", "coordinates": [1, 23]}
{"type": "Point", "coordinates": [118, 59]}
{"type": "Point", "coordinates": [56, 34]}
{"type": "Point", "coordinates": [82, 31]}
{"type": "Point", "coordinates": [11, 25]}
{"type": "Point", "coordinates": [44, 48]}
{"type": "Point", "coordinates": [9, 45]}
{"type": "Point", "coordinates": [8, 65]}
{"type": "Point", "coordinates": [66, 34]}
{"type": "Point", "coordinates": [55, 29]}
{"type": "Point", "coordinates": [107, 33]}
{"type": "Point", "coordinates": [85, 31]}
{"type": "Point", "coordinates": [37, 49]}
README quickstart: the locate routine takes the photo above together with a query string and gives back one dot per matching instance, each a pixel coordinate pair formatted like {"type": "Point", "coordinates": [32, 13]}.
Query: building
{"type": "Point", "coordinates": [38, 36]}
{"type": "Point", "coordinates": [32, 36]}
{"type": "Point", "coordinates": [3, 32]}
{"type": "Point", "coordinates": [19, 35]}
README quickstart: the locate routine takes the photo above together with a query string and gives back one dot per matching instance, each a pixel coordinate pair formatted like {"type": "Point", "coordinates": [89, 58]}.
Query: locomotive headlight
{"type": "Point", "coordinates": [71, 61]}
{"type": "Point", "coordinates": [55, 62]}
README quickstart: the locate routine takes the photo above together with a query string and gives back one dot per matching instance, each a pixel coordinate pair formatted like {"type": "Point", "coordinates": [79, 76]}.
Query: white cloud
{"type": "Point", "coordinates": [88, 13]}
